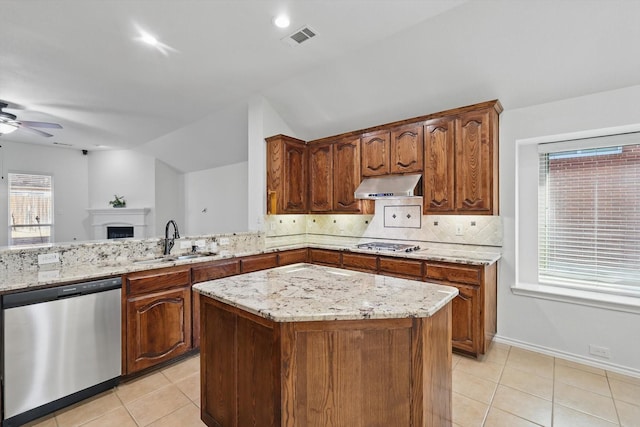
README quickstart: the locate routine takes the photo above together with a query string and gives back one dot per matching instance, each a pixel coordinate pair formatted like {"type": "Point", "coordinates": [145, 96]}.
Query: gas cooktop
{"type": "Point", "coordinates": [386, 246]}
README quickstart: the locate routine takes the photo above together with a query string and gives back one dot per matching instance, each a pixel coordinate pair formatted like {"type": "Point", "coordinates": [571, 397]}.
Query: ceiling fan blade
{"type": "Point", "coordinates": [41, 124]}
{"type": "Point", "coordinates": [39, 132]}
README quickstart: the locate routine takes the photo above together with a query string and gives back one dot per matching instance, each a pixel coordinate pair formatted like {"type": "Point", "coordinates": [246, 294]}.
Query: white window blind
{"type": "Point", "coordinates": [589, 214]}
{"type": "Point", "coordinates": [30, 208]}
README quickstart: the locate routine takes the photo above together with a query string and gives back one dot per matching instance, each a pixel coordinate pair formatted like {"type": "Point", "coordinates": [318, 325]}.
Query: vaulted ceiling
{"type": "Point", "coordinates": [80, 63]}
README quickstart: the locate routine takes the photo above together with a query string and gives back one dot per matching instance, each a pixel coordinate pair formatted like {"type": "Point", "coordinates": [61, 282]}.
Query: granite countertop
{"type": "Point", "coordinates": [11, 281]}
{"type": "Point", "coordinates": [308, 292]}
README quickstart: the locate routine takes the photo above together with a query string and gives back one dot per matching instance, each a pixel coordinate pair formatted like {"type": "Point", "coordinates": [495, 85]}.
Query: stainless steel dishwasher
{"type": "Point", "coordinates": [60, 345]}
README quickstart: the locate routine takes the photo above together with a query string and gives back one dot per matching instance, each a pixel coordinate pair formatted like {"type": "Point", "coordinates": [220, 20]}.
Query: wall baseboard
{"type": "Point", "coordinates": [569, 356]}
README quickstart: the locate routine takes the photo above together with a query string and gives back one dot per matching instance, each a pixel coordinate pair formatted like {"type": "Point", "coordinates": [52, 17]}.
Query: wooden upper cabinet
{"type": "Point", "coordinates": [406, 149]}
{"type": "Point", "coordinates": [439, 172]}
{"type": "Point", "coordinates": [476, 162]}
{"type": "Point", "coordinates": [375, 153]}
{"type": "Point", "coordinates": [321, 178]}
{"type": "Point", "coordinates": [286, 175]}
{"type": "Point", "coordinates": [461, 162]}
{"type": "Point", "coordinates": [346, 176]}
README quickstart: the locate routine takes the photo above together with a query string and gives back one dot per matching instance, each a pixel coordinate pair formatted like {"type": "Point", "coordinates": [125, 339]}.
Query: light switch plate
{"type": "Point", "coordinates": [51, 258]}
{"type": "Point", "coordinates": [223, 241]}
{"type": "Point", "coordinates": [403, 216]}
{"type": "Point", "coordinates": [201, 243]}
{"type": "Point", "coordinates": [185, 244]}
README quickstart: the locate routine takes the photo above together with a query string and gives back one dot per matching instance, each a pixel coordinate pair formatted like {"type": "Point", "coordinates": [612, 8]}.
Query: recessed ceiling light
{"type": "Point", "coordinates": [148, 39]}
{"type": "Point", "coordinates": [281, 21]}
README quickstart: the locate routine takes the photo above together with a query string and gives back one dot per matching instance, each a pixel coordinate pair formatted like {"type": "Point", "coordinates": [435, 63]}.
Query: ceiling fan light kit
{"type": "Point", "coordinates": [9, 123]}
{"type": "Point", "coordinates": [6, 128]}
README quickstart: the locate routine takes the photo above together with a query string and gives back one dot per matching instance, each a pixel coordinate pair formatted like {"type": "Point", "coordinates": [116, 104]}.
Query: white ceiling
{"type": "Point", "coordinates": [77, 63]}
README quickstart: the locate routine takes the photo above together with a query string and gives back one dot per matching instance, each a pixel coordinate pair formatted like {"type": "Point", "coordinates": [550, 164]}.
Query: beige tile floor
{"type": "Point", "coordinates": [508, 387]}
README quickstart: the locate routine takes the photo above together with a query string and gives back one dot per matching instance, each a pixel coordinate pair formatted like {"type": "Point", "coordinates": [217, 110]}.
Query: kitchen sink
{"type": "Point", "coordinates": [172, 258]}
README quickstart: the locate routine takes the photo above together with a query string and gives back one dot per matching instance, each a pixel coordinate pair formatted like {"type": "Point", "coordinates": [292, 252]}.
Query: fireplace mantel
{"type": "Point", "coordinates": [101, 218]}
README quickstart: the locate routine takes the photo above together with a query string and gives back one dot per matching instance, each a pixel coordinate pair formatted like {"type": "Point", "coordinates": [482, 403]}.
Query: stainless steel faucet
{"type": "Point", "coordinates": [169, 241]}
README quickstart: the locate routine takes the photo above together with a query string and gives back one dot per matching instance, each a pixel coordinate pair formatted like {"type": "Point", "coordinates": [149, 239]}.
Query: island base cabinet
{"type": "Point", "coordinates": [352, 373]}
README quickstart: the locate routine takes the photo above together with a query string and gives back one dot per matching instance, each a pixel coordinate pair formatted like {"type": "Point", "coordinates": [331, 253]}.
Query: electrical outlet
{"type": "Point", "coordinates": [186, 244]}
{"type": "Point", "coordinates": [51, 258]}
{"type": "Point", "coordinates": [459, 231]}
{"type": "Point", "coordinates": [223, 241]}
{"type": "Point", "coordinates": [272, 226]}
{"type": "Point", "coordinates": [201, 243]}
{"type": "Point", "coordinates": [599, 351]}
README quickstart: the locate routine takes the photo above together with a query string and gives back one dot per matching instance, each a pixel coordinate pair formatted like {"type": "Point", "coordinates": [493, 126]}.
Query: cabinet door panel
{"type": "Point", "coordinates": [439, 172]}
{"type": "Point", "coordinates": [410, 269]}
{"type": "Point", "coordinates": [215, 270]}
{"type": "Point", "coordinates": [158, 327]}
{"type": "Point", "coordinates": [474, 163]}
{"type": "Point", "coordinates": [323, 256]}
{"type": "Point", "coordinates": [321, 178]}
{"type": "Point", "coordinates": [362, 262]}
{"type": "Point", "coordinates": [292, 257]}
{"type": "Point", "coordinates": [258, 262]}
{"type": "Point", "coordinates": [460, 274]}
{"type": "Point", "coordinates": [407, 149]}
{"type": "Point", "coordinates": [145, 282]}
{"type": "Point", "coordinates": [295, 182]}
{"type": "Point", "coordinates": [465, 319]}
{"type": "Point", "coordinates": [346, 164]}
{"type": "Point", "coordinates": [375, 154]}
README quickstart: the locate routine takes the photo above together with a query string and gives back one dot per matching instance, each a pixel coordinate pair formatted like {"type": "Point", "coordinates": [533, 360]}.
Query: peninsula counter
{"type": "Point", "coordinates": [306, 345]}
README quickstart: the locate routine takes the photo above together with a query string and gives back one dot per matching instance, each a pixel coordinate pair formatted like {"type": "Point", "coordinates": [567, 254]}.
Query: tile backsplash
{"type": "Point", "coordinates": [408, 224]}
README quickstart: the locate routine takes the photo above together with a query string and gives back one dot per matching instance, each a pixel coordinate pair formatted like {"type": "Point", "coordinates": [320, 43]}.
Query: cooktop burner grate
{"type": "Point", "coordinates": [386, 246]}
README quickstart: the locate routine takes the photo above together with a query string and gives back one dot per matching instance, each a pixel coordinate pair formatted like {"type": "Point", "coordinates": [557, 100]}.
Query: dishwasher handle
{"type": "Point", "coordinates": [66, 291]}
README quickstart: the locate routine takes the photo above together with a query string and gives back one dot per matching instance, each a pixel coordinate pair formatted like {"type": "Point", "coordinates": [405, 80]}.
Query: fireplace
{"type": "Point", "coordinates": [119, 232]}
{"type": "Point", "coordinates": [115, 223]}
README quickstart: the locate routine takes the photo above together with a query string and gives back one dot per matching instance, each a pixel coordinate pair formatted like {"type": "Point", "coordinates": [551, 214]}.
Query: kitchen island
{"type": "Point", "coordinates": [306, 345]}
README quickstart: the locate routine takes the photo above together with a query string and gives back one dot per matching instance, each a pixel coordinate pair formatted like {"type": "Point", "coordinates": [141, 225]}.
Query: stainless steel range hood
{"type": "Point", "coordinates": [388, 186]}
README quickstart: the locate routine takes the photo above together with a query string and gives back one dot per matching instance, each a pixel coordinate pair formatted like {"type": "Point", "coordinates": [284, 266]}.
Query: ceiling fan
{"type": "Point", "coordinates": [9, 123]}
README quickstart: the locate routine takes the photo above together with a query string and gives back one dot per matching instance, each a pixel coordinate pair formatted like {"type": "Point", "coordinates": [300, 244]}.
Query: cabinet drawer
{"type": "Point", "coordinates": [258, 262]}
{"type": "Point", "coordinates": [360, 262]}
{"type": "Point", "coordinates": [292, 257]}
{"type": "Point", "coordinates": [323, 256]}
{"type": "Point", "coordinates": [401, 267]}
{"type": "Point", "coordinates": [215, 270]}
{"type": "Point", "coordinates": [149, 281]}
{"type": "Point", "coordinates": [462, 274]}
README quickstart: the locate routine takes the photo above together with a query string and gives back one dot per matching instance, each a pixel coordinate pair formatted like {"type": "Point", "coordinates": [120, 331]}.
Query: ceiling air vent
{"type": "Point", "coordinates": [300, 36]}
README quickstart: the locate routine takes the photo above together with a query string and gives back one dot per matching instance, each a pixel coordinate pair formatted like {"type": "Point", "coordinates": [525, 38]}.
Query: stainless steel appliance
{"type": "Point", "coordinates": [60, 345]}
{"type": "Point", "coordinates": [388, 186]}
{"type": "Point", "coordinates": [391, 247]}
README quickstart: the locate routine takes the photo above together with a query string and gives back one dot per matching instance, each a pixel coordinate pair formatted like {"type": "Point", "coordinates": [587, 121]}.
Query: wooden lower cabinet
{"type": "Point", "coordinates": [325, 257]}
{"type": "Point", "coordinates": [465, 324]}
{"type": "Point", "coordinates": [258, 262]}
{"type": "Point", "coordinates": [386, 372]}
{"type": "Point", "coordinates": [157, 317]}
{"type": "Point", "coordinates": [293, 256]}
{"type": "Point", "coordinates": [405, 268]}
{"type": "Point", "coordinates": [474, 308]}
{"type": "Point", "coordinates": [360, 262]}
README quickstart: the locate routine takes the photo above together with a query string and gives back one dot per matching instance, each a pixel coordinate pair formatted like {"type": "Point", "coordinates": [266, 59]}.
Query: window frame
{"type": "Point", "coordinates": [51, 224]}
{"type": "Point", "coordinates": [526, 218]}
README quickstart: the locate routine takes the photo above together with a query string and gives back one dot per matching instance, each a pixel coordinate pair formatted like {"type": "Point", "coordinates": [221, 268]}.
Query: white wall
{"type": "Point", "coordinates": [125, 173]}
{"type": "Point", "coordinates": [263, 122]}
{"type": "Point", "coordinates": [558, 327]}
{"type": "Point", "coordinates": [70, 185]}
{"type": "Point", "coordinates": [222, 193]}
{"type": "Point", "coordinates": [170, 202]}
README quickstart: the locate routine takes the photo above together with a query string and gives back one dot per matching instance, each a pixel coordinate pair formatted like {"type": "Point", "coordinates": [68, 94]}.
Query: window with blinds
{"type": "Point", "coordinates": [589, 213]}
{"type": "Point", "coordinates": [30, 208]}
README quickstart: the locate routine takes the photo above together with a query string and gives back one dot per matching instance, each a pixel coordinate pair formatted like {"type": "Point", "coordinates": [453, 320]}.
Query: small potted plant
{"type": "Point", "coordinates": [118, 202]}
